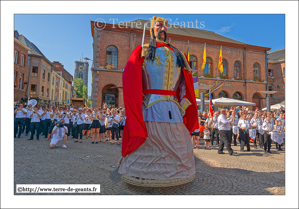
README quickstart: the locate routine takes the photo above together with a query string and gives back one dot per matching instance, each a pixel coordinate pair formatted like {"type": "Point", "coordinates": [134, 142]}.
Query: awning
{"type": "Point", "coordinates": [231, 102]}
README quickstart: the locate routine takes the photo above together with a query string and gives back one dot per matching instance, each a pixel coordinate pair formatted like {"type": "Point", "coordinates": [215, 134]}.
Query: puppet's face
{"type": "Point", "coordinates": [158, 27]}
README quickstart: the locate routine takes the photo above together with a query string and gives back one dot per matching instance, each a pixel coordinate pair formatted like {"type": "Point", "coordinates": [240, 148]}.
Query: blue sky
{"type": "Point", "coordinates": [65, 38]}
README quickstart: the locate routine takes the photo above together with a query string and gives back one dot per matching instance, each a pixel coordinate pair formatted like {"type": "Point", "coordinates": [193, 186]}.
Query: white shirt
{"type": "Point", "coordinates": [94, 115]}
{"type": "Point", "coordinates": [123, 120]}
{"type": "Point", "coordinates": [88, 118]}
{"type": "Point", "coordinates": [48, 114]}
{"type": "Point", "coordinates": [267, 125]}
{"type": "Point", "coordinates": [29, 112]}
{"type": "Point", "coordinates": [55, 116]}
{"type": "Point", "coordinates": [223, 123]}
{"type": "Point", "coordinates": [244, 124]}
{"type": "Point", "coordinates": [282, 121]}
{"type": "Point", "coordinates": [20, 114]}
{"type": "Point", "coordinates": [113, 121]}
{"type": "Point", "coordinates": [102, 121]}
{"type": "Point", "coordinates": [58, 135]}
{"type": "Point", "coordinates": [35, 118]}
{"type": "Point", "coordinates": [43, 116]}
{"type": "Point", "coordinates": [79, 121]}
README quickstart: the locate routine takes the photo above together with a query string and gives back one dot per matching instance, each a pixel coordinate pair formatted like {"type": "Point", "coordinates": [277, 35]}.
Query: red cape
{"type": "Point", "coordinates": [135, 133]}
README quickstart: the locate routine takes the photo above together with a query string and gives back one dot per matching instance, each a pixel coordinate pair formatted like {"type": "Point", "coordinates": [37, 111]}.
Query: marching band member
{"type": "Point", "coordinates": [20, 113]}
{"type": "Point", "coordinates": [48, 121]}
{"type": "Point", "coordinates": [243, 125]}
{"type": "Point", "coordinates": [235, 129]}
{"type": "Point", "coordinates": [74, 119]}
{"type": "Point", "coordinates": [28, 119]}
{"type": "Point", "coordinates": [267, 127]}
{"type": "Point", "coordinates": [108, 125]}
{"type": "Point", "coordinates": [114, 120]}
{"type": "Point", "coordinates": [88, 121]}
{"type": "Point", "coordinates": [35, 123]}
{"type": "Point", "coordinates": [95, 126]}
{"type": "Point", "coordinates": [80, 121]}
{"type": "Point", "coordinates": [54, 117]}
{"type": "Point", "coordinates": [277, 129]}
{"type": "Point", "coordinates": [224, 128]}
{"type": "Point", "coordinates": [102, 126]}
{"type": "Point", "coordinates": [261, 131]}
{"type": "Point", "coordinates": [215, 129]}
{"type": "Point", "coordinates": [254, 124]}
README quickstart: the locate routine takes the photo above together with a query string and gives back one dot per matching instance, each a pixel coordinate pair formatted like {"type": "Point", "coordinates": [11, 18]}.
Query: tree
{"type": "Point", "coordinates": [84, 93]}
{"type": "Point", "coordinates": [88, 102]}
{"type": "Point", "coordinates": [78, 86]}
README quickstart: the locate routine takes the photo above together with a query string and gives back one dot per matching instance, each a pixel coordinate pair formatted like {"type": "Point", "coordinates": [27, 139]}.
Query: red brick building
{"type": "Point", "coordinates": [21, 69]}
{"type": "Point", "coordinates": [276, 75]}
{"type": "Point", "coordinates": [244, 64]}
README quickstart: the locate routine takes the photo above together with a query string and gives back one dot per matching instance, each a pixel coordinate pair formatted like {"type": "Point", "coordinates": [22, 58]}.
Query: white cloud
{"type": "Point", "coordinates": [225, 29]}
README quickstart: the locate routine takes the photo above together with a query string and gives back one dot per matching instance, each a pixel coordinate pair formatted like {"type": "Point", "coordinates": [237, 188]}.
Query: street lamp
{"type": "Point", "coordinates": [268, 98]}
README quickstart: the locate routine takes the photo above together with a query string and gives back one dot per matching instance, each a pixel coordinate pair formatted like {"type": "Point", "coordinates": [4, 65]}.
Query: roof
{"type": "Point", "coordinates": [276, 56]}
{"type": "Point", "coordinates": [33, 51]}
{"type": "Point", "coordinates": [185, 31]}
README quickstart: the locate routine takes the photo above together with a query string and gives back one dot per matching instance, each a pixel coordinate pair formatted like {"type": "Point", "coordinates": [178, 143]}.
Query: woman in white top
{"type": "Point", "coordinates": [88, 122]}
{"type": "Point", "coordinates": [195, 136]}
{"type": "Point", "coordinates": [95, 126]}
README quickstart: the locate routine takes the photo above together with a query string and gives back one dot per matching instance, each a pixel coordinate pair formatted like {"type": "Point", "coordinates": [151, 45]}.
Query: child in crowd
{"type": "Point", "coordinates": [206, 136]}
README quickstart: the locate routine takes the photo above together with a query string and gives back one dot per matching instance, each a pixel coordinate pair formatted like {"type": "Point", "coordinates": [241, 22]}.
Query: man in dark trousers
{"type": "Point", "coordinates": [215, 129]}
{"type": "Point", "coordinates": [224, 126]}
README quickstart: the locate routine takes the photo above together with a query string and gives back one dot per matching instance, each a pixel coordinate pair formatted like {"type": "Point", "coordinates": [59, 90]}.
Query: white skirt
{"type": "Point", "coordinates": [166, 154]}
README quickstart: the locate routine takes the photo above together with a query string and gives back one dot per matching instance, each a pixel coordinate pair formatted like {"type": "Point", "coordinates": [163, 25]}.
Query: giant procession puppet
{"type": "Point", "coordinates": [161, 113]}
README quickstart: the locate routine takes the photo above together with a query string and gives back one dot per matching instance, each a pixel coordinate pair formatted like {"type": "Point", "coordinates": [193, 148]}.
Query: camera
{"type": "Point", "coordinates": [59, 124]}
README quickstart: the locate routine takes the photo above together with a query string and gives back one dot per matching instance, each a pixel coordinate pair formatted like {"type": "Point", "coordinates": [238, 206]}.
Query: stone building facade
{"type": "Point", "coordinates": [245, 65]}
{"type": "Point", "coordinates": [276, 75]}
{"type": "Point", "coordinates": [20, 69]}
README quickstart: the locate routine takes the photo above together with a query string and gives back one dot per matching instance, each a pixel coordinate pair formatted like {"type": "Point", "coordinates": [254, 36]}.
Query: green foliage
{"type": "Point", "coordinates": [88, 102]}
{"type": "Point", "coordinates": [85, 93]}
{"type": "Point", "coordinates": [78, 86]}
{"type": "Point", "coordinates": [208, 76]}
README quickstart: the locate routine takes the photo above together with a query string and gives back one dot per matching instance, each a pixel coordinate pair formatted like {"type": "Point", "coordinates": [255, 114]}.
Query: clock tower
{"type": "Point", "coordinates": [81, 71]}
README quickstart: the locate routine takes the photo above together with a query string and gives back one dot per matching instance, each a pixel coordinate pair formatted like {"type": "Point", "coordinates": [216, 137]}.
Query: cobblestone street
{"type": "Point", "coordinates": [250, 173]}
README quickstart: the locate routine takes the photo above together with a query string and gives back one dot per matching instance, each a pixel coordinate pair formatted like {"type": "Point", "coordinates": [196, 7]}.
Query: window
{"type": "Point", "coordinates": [224, 73]}
{"type": "Point", "coordinates": [270, 72]}
{"type": "Point", "coordinates": [56, 97]}
{"type": "Point", "coordinates": [256, 70]}
{"type": "Point", "coordinates": [270, 88]}
{"type": "Point", "coordinates": [34, 71]}
{"type": "Point", "coordinates": [65, 98]}
{"type": "Point", "coordinates": [52, 96]}
{"type": "Point", "coordinates": [208, 67]}
{"type": "Point", "coordinates": [16, 57]}
{"type": "Point", "coordinates": [66, 85]}
{"type": "Point", "coordinates": [53, 80]}
{"type": "Point", "coordinates": [111, 56]}
{"type": "Point", "coordinates": [47, 92]}
{"type": "Point", "coordinates": [15, 78]}
{"type": "Point", "coordinates": [193, 63]}
{"type": "Point", "coordinates": [23, 60]}
{"type": "Point", "coordinates": [61, 85]}
{"type": "Point", "coordinates": [33, 89]}
{"type": "Point", "coordinates": [237, 95]}
{"type": "Point", "coordinates": [21, 81]}
{"type": "Point", "coordinates": [48, 77]}
{"type": "Point", "coordinates": [80, 75]}
{"type": "Point", "coordinates": [57, 83]}
{"type": "Point", "coordinates": [222, 94]}
{"type": "Point", "coordinates": [42, 92]}
{"type": "Point", "coordinates": [237, 69]}
{"type": "Point", "coordinates": [44, 74]}
{"type": "Point", "coordinates": [59, 97]}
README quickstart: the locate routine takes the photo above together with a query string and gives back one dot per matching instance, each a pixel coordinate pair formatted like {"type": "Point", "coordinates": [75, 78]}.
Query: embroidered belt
{"type": "Point", "coordinates": [159, 92]}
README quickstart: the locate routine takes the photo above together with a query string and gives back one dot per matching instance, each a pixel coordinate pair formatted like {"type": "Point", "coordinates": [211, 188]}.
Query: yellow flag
{"type": "Point", "coordinates": [220, 63]}
{"type": "Point", "coordinates": [91, 76]}
{"type": "Point", "coordinates": [204, 58]}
